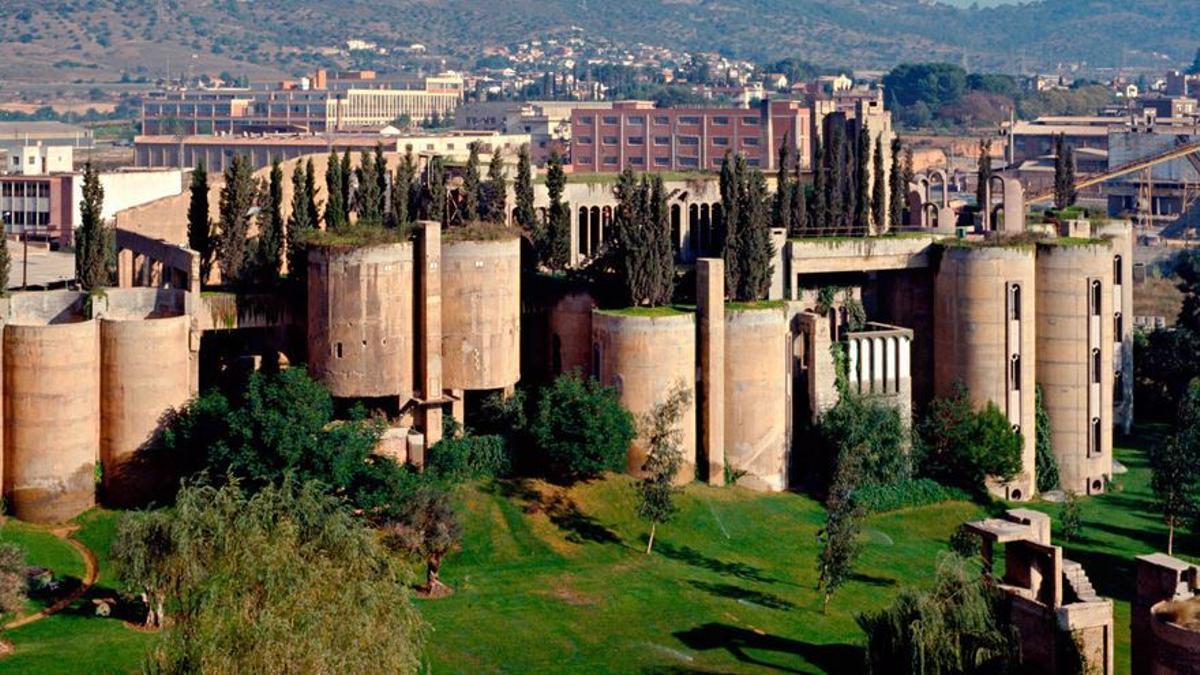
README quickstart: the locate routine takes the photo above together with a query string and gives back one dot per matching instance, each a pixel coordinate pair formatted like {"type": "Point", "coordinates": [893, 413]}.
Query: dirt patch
{"type": "Point", "coordinates": [562, 589]}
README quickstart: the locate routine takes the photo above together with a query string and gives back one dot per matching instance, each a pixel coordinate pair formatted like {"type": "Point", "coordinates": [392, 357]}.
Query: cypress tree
{"type": "Point", "coordinates": [1060, 172]}
{"type": "Point", "coordinates": [835, 185]}
{"type": "Point", "coordinates": [497, 189]}
{"type": "Point", "coordinates": [334, 206]}
{"type": "Point", "coordinates": [819, 219]}
{"type": "Point", "coordinates": [271, 226]}
{"type": "Point", "coordinates": [367, 202]}
{"type": "Point", "coordinates": [347, 194]}
{"type": "Point", "coordinates": [899, 188]}
{"type": "Point", "coordinates": [878, 193]}
{"type": "Point", "coordinates": [239, 196]}
{"type": "Point", "coordinates": [557, 240]}
{"type": "Point", "coordinates": [730, 184]}
{"type": "Point", "coordinates": [850, 189]}
{"type": "Point", "coordinates": [402, 189]}
{"type": "Point", "coordinates": [644, 254]}
{"type": "Point", "coordinates": [199, 231]}
{"type": "Point", "coordinates": [524, 189]}
{"type": "Point", "coordinates": [310, 193]}
{"type": "Point", "coordinates": [659, 224]}
{"type": "Point", "coordinates": [299, 225]}
{"type": "Point", "coordinates": [755, 249]}
{"type": "Point", "coordinates": [5, 269]}
{"type": "Point", "coordinates": [628, 245]}
{"type": "Point", "coordinates": [92, 237]}
{"type": "Point", "coordinates": [862, 172]}
{"type": "Point", "coordinates": [436, 176]}
{"type": "Point", "coordinates": [381, 182]}
{"type": "Point", "coordinates": [1069, 179]}
{"type": "Point", "coordinates": [799, 207]}
{"type": "Point", "coordinates": [910, 175]}
{"type": "Point", "coordinates": [984, 176]}
{"type": "Point", "coordinates": [781, 215]}
{"type": "Point", "coordinates": [471, 186]}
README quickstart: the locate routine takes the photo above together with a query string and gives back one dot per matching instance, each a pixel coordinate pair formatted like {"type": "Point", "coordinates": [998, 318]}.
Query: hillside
{"type": "Point", "coordinates": [63, 41]}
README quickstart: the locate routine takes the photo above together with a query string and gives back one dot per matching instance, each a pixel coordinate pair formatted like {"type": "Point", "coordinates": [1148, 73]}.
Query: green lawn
{"type": "Point", "coordinates": [554, 580]}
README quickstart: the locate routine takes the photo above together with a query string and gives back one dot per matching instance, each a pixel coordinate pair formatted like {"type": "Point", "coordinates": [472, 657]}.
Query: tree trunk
{"type": "Point", "coordinates": [433, 568]}
{"type": "Point", "coordinates": [1170, 536]}
{"type": "Point", "coordinates": [650, 544]}
{"type": "Point", "coordinates": [825, 604]}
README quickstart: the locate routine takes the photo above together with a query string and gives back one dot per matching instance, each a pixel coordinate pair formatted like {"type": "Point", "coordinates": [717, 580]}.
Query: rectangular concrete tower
{"type": "Point", "coordinates": [710, 316]}
{"type": "Point", "coordinates": [429, 329]}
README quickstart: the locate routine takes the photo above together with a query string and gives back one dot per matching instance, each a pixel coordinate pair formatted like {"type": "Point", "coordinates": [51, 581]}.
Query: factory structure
{"type": "Point", "coordinates": [425, 326]}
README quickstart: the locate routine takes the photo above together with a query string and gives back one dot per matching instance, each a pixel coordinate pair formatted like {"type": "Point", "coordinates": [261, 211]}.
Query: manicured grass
{"type": "Point", "coordinates": [756, 305]}
{"type": "Point", "coordinates": [665, 310]}
{"type": "Point", "coordinates": [76, 640]}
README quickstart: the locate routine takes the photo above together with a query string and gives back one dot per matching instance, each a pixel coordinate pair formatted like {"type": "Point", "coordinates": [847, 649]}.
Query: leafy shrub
{"type": "Point", "coordinates": [904, 494]}
{"type": "Point", "coordinates": [581, 429]}
{"type": "Point", "coordinates": [960, 446]}
{"type": "Point", "coordinates": [869, 429]}
{"type": "Point", "coordinates": [459, 458]}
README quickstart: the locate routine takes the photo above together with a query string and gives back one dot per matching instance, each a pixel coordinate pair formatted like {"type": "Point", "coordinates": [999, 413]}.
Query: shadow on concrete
{"type": "Point", "coordinates": [772, 652]}
{"type": "Point", "coordinates": [768, 600]}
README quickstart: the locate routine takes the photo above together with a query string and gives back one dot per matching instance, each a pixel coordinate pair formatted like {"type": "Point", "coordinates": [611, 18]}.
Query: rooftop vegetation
{"type": "Point", "coordinates": [357, 235]}
{"type": "Point", "coordinates": [478, 231]}
{"type": "Point", "coordinates": [756, 305]}
{"type": "Point", "coordinates": [650, 312]}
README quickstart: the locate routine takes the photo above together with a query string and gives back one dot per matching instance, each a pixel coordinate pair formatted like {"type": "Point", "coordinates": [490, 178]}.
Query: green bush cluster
{"type": "Point", "coordinates": [459, 458]}
{"type": "Point", "coordinates": [904, 494]}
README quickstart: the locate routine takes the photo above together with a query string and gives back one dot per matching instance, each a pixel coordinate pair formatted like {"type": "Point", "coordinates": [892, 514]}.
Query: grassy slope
{"type": "Point", "coordinates": [75, 640]}
{"type": "Point", "coordinates": [553, 584]}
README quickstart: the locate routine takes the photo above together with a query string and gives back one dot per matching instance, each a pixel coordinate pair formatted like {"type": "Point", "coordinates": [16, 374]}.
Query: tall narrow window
{"type": "Point", "coordinates": [1095, 439]}
{"type": "Point", "coordinates": [1014, 302]}
{"type": "Point", "coordinates": [1117, 275]}
{"type": "Point", "coordinates": [1096, 299]}
{"type": "Point", "coordinates": [1118, 327]}
{"type": "Point", "coordinates": [1119, 387]}
{"type": "Point", "coordinates": [1096, 366]}
{"type": "Point", "coordinates": [1014, 372]}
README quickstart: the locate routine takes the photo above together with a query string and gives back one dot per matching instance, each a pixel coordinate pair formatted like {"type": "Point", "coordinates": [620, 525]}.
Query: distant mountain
{"type": "Point", "coordinates": [64, 40]}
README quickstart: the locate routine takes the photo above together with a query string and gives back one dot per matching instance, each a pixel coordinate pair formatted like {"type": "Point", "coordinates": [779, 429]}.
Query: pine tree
{"type": "Point", "coordinates": [819, 219]}
{"type": "Point", "coordinates": [985, 176]}
{"type": "Point", "coordinates": [497, 189]}
{"type": "Point", "coordinates": [239, 199]}
{"type": "Point", "coordinates": [557, 241]}
{"type": "Point", "coordinates": [471, 186]}
{"type": "Point", "coordinates": [299, 225]}
{"type": "Point", "coordinates": [199, 230]}
{"type": "Point", "coordinates": [781, 215]}
{"type": "Point", "coordinates": [402, 189]}
{"type": "Point", "coordinates": [862, 172]}
{"type": "Point", "coordinates": [524, 189]}
{"type": "Point", "coordinates": [755, 251]}
{"type": "Point", "coordinates": [732, 170]}
{"type": "Point", "coordinates": [271, 226]}
{"type": "Point", "coordinates": [367, 201]}
{"type": "Point", "coordinates": [879, 189]}
{"type": "Point", "coordinates": [799, 207]}
{"type": "Point", "coordinates": [335, 210]}
{"type": "Point", "coordinates": [347, 175]}
{"type": "Point", "coordinates": [92, 238]}
{"type": "Point", "coordinates": [899, 188]}
{"type": "Point", "coordinates": [435, 209]}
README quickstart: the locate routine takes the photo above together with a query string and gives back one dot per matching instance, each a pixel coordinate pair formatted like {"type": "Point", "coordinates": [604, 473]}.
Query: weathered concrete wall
{"type": "Point", "coordinates": [1067, 334]}
{"type": "Point", "coordinates": [360, 320]}
{"type": "Point", "coordinates": [481, 314]}
{"type": "Point", "coordinates": [976, 339]}
{"type": "Point", "coordinates": [757, 396]}
{"type": "Point", "coordinates": [51, 408]}
{"type": "Point", "coordinates": [1161, 578]}
{"type": "Point", "coordinates": [644, 357]}
{"type": "Point", "coordinates": [145, 367]}
{"type": "Point", "coordinates": [571, 334]}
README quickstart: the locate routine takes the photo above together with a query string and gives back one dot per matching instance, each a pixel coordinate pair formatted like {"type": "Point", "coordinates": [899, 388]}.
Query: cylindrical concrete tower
{"type": "Point", "coordinates": [571, 334]}
{"type": "Point", "coordinates": [144, 372]}
{"type": "Point", "coordinates": [984, 337]}
{"type": "Point", "coordinates": [481, 314]}
{"type": "Point", "coordinates": [1075, 356]}
{"type": "Point", "coordinates": [51, 416]}
{"type": "Point", "coordinates": [360, 320]}
{"type": "Point", "coordinates": [756, 396]}
{"type": "Point", "coordinates": [1121, 234]}
{"type": "Point", "coordinates": [644, 357]}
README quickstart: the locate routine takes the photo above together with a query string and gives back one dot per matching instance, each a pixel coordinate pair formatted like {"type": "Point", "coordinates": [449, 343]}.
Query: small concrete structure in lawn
{"type": "Point", "coordinates": [1165, 617]}
{"type": "Point", "coordinates": [1064, 626]}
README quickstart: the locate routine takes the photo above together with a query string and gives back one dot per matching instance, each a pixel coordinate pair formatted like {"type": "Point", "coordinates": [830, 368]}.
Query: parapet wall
{"type": "Point", "coordinates": [360, 320]}
{"type": "Point", "coordinates": [644, 357]}
{"type": "Point", "coordinates": [481, 314]}
{"type": "Point", "coordinates": [757, 396]}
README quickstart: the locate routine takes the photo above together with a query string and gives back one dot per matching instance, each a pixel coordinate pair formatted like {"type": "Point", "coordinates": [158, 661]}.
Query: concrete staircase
{"type": "Point", "coordinates": [1078, 581]}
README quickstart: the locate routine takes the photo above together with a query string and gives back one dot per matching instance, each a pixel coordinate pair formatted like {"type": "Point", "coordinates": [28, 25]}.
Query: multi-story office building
{"type": "Point", "coordinates": [639, 135]}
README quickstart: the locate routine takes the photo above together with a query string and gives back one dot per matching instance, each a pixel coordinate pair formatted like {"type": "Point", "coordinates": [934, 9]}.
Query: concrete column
{"type": "Point", "coordinates": [458, 407]}
{"type": "Point", "coordinates": [429, 328]}
{"type": "Point", "coordinates": [710, 308]}
{"type": "Point", "coordinates": [124, 268]}
{"type": "Point", "coordinates": [779, 275]}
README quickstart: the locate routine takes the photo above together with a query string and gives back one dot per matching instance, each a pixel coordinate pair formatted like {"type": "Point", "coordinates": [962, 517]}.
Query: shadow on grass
{"type": "Point", "coordinates": [690, 556]}
{"type": "Point", "coordinates": [871, 580]}
{"type": "Point", "coordinates": [768, 600]}
{"type": "Point", "coordinates": [562, 511]}
{"type": "Point", "coordinates": [122, 609]}
{"type": "Point", "coordinates": [748, 646]}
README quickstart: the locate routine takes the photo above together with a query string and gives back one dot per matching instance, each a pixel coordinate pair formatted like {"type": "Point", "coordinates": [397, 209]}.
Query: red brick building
{"type": "Point", "coordinates": [636, 134]}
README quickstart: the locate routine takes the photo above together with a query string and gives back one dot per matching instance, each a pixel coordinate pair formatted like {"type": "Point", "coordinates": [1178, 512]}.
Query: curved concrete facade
{"type": "Point", "coordinates": [360, 320]}
{"type": "Point", "coordinates": [643, 357]}
{"type": "Point", "coordinates": [756, 396]}
{"type": "Point", "coordinates": [984, 337]}
{"type": "Point", "coordinates": [51, 407]}
{"type": "Point", "coordinates": [1174, 648]}
{"type": "Point", "coordinates": [144, 372]}
{"type": "Point", "coordinates": [571, 334]}
{"type": "Point", "coordinates": [481, 314]}
{"type": "Point", "coordinates": [1074, 359]}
